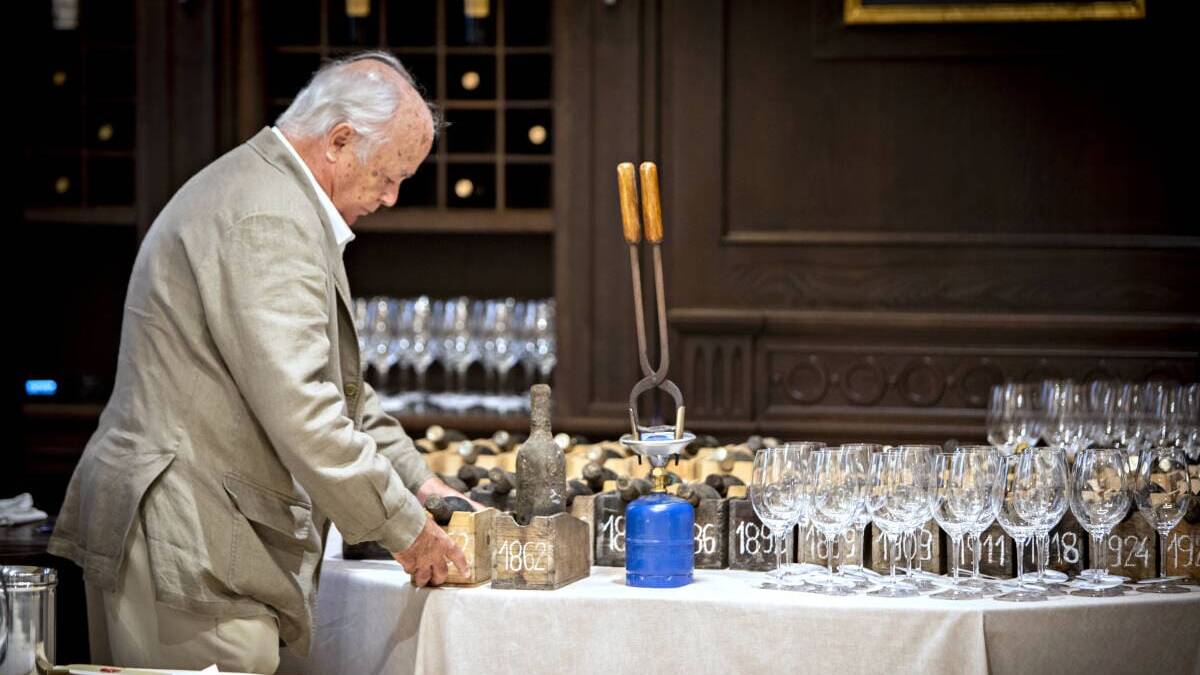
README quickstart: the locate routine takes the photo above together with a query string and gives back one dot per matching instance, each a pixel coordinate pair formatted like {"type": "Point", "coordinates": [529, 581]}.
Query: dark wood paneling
{"type": "Point", "coordinates": [894, 224]}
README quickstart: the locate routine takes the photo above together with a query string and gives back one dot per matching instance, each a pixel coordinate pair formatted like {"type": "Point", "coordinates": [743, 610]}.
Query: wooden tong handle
{"type": "Point", "coordinates": [627, 187]}
{"type": "Point", "coordinates": [651, 204]}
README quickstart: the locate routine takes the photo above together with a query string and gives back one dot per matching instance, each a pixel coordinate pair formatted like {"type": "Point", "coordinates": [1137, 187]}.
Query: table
{"type": "Point", "coordinates": [372, 620]}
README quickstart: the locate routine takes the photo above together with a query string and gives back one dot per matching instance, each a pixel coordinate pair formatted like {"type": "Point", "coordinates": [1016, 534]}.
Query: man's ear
{"type": "Point", "coordinates": [338, 141]}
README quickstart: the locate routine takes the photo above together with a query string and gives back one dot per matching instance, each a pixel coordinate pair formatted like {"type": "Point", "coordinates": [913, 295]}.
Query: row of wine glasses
{"type": "Point", "coordinates": [841, 489]}
{"type": "Point", "coordinates": [1101, 413]}
{"type": "Point", "coordinates": [401, 340]}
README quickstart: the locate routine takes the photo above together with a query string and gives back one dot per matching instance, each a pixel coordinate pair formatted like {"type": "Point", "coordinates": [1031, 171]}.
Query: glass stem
{"type": "Point", "coordinates": [1162, 554]}
{"type": "Point", "coordinates": [829, 556]}
{"type": "Point", "coordinates": [1100, 557]}
{"type": "Point", "coordinates": [977, 543]}
{"type": "Point", "coordinates": [778, 555]}
{"type": "Point", "coordinates": [1020, 558]}
{"type": "Point", "coordinates": [1040, 544]}
{"type": "Point", "coordinates": [955, 546]}
{"type": "Point", "coordinates": [892, 543]}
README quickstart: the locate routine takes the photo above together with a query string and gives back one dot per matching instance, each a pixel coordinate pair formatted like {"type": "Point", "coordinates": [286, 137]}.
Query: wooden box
{"type": "Point", "coordinates": [473, 534]}
{"type": "Point", "coordinates": [546, 554]}
{"type": "Point", "coordinates": [609, 529]}
{"type": "Point", "coordinates": [1068, 542]}
{"type": "Point", "coordinates": [1133, 548]}
{"type": "Point", "coordinates": [711, 531]}
{"type": "Point", "coordinates": [1183, 551]}
{"type": "Point", "coordinates": [926, 549]}
{"type": "Point", "coordinates": [584, 508]}
{"type": "Point", "coordinates": [701, 468]}
{"type": "Point", "coordinates": [751, 546]}
{"type": "Point", "coordinates": [996, 553]}
{"type": "Point", "coordinates": [846, 549]}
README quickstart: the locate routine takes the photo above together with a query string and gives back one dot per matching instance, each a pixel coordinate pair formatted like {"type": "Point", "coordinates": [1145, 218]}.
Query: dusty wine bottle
{"type": "Point", "coordinates": [443, 508]}
{"type": "Point", "coordinates": [595, 475]}
{"type": "Point", "coordinates": [471, 474]}
{"type": "Point", "coordinates": [503, 481]}
{"type": "Point", "coordinates": [541, 467]}
{"type": "Point", "coordinates": [470, 451]}
{"type": "Point", "coordinates": [694, 492]}
{"type": "Point", "coordinates": [442, 437]}
{"type": "Point", "coordinates": [632, 488]}
{"type": "Point", "coordinates": [454, 483]}
{"type": "Point", "coordinates": [721, 483]}
{"type": "Point", "coordinates": [577, 488]}
{"type": "Point", "coordinates": [506, 440]}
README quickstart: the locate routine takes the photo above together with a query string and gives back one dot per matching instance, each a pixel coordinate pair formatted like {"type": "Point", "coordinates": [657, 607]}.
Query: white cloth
{"type": "Point", "coordinates": [341, 231]}
{"type": "Point", "coordinates": [19, 510]}
{"type": "Point", "coordinates": [369, 615]}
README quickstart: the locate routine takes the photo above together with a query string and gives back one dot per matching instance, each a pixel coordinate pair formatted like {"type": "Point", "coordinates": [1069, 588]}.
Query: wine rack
{"type": "Point", "coordinates": [82, 156]}
{"type": "Point", "coordinates": [488, 64]}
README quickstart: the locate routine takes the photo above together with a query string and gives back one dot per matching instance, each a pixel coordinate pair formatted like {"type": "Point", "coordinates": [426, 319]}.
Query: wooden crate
{"type": "Point", "coordinates": [1133, 548]}
{"type": "Point", "coordinates": [926, 549]}
{"type": "Point", "coordinates": [1068, 544]}
{"type": "Point", "coordinates": [703, 467]}
{"type": "Point", "coordinates": [609, 529]}
{"type": "Point", "coordinates": [547, 554]}
{"type": "Point", "coordinates": [1183, 551]}
{"type": "Point", "coordinates": [472, 531]}
{"type": "Point", "coordinates": [711, 534]}
{"type": "Point", "coordinates": [846, 549]}
{"type": "Point", "coordinates": [584, 508]}
{"type": "Point", "coordinates": [997, 550]}
{"type": "Point", "coordinates": [751, 546]}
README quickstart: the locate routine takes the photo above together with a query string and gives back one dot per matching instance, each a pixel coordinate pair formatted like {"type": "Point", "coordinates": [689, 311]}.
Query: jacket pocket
{"type": "Point", "coordinates": [269, 508]}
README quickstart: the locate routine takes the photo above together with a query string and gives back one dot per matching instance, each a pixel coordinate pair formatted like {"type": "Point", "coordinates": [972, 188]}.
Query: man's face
{"type": "Point", "coordinates": [360, 188]}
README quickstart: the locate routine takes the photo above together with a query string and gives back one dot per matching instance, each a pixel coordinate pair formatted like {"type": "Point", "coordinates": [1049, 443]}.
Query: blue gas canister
{"type": "Point", "coordinates": [658, 541]}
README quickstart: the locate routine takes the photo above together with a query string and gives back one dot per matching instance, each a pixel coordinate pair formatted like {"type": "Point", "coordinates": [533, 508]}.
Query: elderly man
{"type": "Point", "coordinates": [239, 425]}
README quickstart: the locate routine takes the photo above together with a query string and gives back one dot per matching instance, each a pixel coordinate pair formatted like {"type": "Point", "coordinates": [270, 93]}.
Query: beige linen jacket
{"type": "Point", "coordinates": [239, 423]}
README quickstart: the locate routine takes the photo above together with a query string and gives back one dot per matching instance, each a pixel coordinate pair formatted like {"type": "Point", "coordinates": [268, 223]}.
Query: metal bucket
{"type": "Point", "coordinates": [26, 619]}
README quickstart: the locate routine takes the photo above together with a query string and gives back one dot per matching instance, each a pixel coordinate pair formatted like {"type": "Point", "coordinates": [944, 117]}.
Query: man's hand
{"type": "Point", "coordinates": [435, 486]}
{"type": "Point", "coordinates": [426, 558]}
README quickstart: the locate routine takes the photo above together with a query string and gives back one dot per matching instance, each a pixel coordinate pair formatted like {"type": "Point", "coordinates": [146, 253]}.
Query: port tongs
{"type": "Point", "coordinates": [632, 225]}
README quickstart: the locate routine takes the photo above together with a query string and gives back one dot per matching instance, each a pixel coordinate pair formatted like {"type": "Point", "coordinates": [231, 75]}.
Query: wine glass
{"type": "Point", "coordinates": [1042, 497]}
{"type": "Point", "coordinates": [460, 347]}
{"type": "Point", "coordinates": [838, 489]}
{"type": "Point", "coordinates": [985, 464]}
{"type": "Point", "coordinates": [1102, 406]}
{"type": "Point", "coordinates": [1099, 500]}
{"type": "Point", "coordinates": [861, 454]}
{"type": "Point", "coordinates": [1066, 421]}
{"type": "Point", "coordinates": [806, 450]}
{"type": "Point", "coordinates": [1162, 492]}
{"type": "Point", "coordinates": [775, 493]}
{"type": "Point", "coordinates": [897, 494]}
{"type": "Point", "coordinates": [1020, 529]}
{"type": "Point", "coordinates": [960, 496]}
{"type": "Point", "coordinates": [1013, 416]}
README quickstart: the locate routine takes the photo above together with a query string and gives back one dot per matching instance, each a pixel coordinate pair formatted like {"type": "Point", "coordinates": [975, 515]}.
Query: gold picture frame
{"type": "Point", "coordinates": [861, 12]}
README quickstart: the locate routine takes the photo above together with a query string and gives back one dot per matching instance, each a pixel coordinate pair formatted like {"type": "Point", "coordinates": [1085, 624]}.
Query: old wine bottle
{"type": "Point", "coordinates": [594, 475]}
{"type": "Point", "coordinates": [443, 508]}
{"type": "Point", "coordinates": [471, 474]}
{"type": "Point", "coordinates": [541, 466]}
{"type": "Point", "coordinates": [442, 437]}
{"type": "Point", "coordinates": [503, 481]}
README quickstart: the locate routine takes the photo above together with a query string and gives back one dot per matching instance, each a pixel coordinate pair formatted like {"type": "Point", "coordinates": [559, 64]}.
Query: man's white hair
{"type": "Point", "coordinates": [366, 101]}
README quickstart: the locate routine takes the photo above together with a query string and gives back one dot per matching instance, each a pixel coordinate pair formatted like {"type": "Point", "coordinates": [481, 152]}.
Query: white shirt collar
{"type": "Point", "coordinates": [341, 231]}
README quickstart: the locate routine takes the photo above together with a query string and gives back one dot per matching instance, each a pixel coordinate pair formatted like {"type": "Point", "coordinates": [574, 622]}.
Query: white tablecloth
{"type": "Point", "coordinates": [372, 620]}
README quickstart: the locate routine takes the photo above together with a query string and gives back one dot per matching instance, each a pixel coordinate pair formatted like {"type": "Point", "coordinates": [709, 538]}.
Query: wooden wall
{"type": "Point", "coordinates": [869, 226]}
